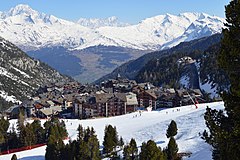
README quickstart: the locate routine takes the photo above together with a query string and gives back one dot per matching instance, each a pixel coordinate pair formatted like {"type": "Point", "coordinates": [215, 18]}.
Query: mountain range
{"type": "Point", "coordinates": [107, 42]}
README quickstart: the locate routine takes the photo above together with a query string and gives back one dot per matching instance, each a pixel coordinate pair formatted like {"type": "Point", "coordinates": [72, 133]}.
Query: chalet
{"type": "Point", "coordinates": [131, 102]}
{"type": "Point", "coordinates": [105, 104]}
{"type": "Point", "coordinates": [78, 106]}
{"type": "Point", "coordinates": [188, 96]}
{"type": "Point", "coordinates": [146, 95]}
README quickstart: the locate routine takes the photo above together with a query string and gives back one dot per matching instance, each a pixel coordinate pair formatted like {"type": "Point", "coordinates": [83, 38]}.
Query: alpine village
{"type": "Point", "coordinates": [180, 101]}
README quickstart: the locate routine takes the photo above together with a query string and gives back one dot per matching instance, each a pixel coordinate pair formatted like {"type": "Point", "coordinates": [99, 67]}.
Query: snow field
{"type": "Point", "coordinates": [150, 125]}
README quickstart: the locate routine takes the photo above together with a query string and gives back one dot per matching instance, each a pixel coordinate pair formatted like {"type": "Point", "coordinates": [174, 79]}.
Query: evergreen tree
{"type": "Point", "coordinates": [130, 151]}
{"type": "Point", "coordinates": [51, 150]}
{"type": "Point", "coordinates": [172, 129]}
{"type": "Point", "coordinates": [21, 129]}
{"type": "Point", "coordinates": [38, 131]}
{"type": "Point", "coordinates": [150, 151]}
{"type": "Point", "coordinates": [224, 127]}
{"type": "Point", "coordinates": [60, 128]}
{"type": "Point", "coordinates": [121, 142]}
{"type": "Point", "coordinates": [80, 132]}
{"type": "Point", "coordinates": [4, 125]}
{"type": "Point", "coordinates": [54, 145]}
{"type": "Point", "coordinates": [172, 149]}
{"type": "Point", "coordinates": [66, 153]}
{"type": "Point", "coordinates": [30, 135]}
{"type": "Point", "coordinates": [84, 152]}
{"type": "Point", "coordinates": [133, 149]}
{"type": "Point", "coordinates": [93, 145]}
{"type": "Point", "coordinates": [126, 152]}
{"type": "Point", "coordinates": [55, 132]}
{"type": "Point", "coordinates": [87, 144]}
{"type": "Point", "coordinates": [110, 141]}
{"type": "Point", "coordinates": [13, 140]}
{"type": "Point", "coordinates": [14, 157]}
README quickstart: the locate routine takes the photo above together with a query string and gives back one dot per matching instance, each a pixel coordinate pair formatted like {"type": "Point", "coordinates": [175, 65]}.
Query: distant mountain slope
{"type": "Point", "coordinates": [20, 75]}
{"type": "Point", "coordinates": [201, 73]}
{"type": "Point", "coordinates": [42, 35]}
{"type": "Point", "coordinates": [163, 68]}
{"type": "Point", "coordinates": [132, 68]}
{"type": "Point", "coordinates": [101, 22]}
{"type": "Point", "coordinates": [30, 29]}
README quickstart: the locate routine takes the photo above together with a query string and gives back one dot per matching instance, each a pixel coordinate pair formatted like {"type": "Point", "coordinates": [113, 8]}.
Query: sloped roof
{"type": "Point", "coordinates": [51, 110]}
{"type": "Point", "coordinates": [151, 92]}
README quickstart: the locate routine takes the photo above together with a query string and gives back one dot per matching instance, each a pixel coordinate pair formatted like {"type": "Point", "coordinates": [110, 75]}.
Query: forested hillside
{"type": "Point", "coordinates": [20, 75]}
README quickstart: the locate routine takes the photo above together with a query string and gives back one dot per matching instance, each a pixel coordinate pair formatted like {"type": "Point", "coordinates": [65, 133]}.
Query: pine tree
{"type": "Point", "coordinates": [66, 153]}
{"type": "Point", "coordinates": [60, 128]}
{"type": "Point", "coordinates": [83, 150]}
{"type": "Point", "coordinates": [126, 152]}
{"type": "Point", "coordinates": [93, 145]}
{"type": "Point", "coordinates": [51, 150]}
{"type": "Point", "coordinates": [80, 132]}
{"type": "Point", "coordinates": [4, 125]}
{"type": "Point", "coordinates": [133, 149]}
{"type": "Point", "coordinates": [21, 129]}
{"type": "Point", "coordinates": [130, 151]}
{"type": "Point", "coordinates": [38, 131]}
{"type": "Point", "coordinates": [172, 129]}
{"type": "Point", "coordinates": [110, 141]}
{"type": "Point", "coordinates": [172, 149]}
{"type": "Point", "coordinates": [121, 142]}
{"type": "Point", "coordinates": [224, 127]}
{"type": "Point", "coordinates": [54, 145]}
{"type": "Point", "coordinates": [13, 140]}
{"type": "Point", "coordinates": [150, 151]}
{"type": "Point", "coordinates": [30, 135]}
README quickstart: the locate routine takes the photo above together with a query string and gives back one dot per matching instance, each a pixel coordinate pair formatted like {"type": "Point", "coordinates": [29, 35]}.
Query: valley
{"type": "Point", "coordinates": [108, 42]}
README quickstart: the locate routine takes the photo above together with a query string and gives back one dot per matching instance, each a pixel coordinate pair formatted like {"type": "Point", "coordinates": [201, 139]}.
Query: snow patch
{"type": "Point", "coordinates": [184, 81]}
{"type": "Point", "coordinates": [23, 73]}
{"type": "Point", "coordinates": [4, 72]}
{"type": "Point", "coordinates": [8, 98]}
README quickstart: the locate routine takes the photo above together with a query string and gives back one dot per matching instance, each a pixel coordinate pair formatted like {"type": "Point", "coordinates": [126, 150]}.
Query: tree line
{"type": "Point", "coordinates": [87, 147]}
{"type": "Point", "coordinates": [29, 134]}
{"type": "Point", "coordinates": [224, 125]}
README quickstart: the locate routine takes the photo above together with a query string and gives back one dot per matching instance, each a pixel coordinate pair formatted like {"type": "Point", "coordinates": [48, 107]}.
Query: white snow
{"type": "Point", "coordinates": [5, 72]}
{"type": "Point", "coordinates": [209, 88]}
{"type": "Point", "coordinates": [21, 72]}
{"type": "Point", "coordinates": [26, 27]}
{"type": "Point", "coordinates": [184, 81]}
{"type": "Point", "coordinates": [101, 22]}
{"type": "Point", "coordinates": [8, 98]}
{"type": "Point", "coordinates": [150, 125]}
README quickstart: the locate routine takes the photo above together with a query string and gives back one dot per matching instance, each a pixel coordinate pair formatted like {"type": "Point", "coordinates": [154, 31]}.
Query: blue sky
{"type": "Point", "coordinates": [131, 11]}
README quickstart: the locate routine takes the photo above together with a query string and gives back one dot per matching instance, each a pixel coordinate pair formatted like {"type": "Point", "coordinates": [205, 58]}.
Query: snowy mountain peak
{"type": "Point", "coordinates": [101, 22]}
{"type": "Point", "coordinates": [21, 9]}
{"type": "Point", "coordinates": [30, 29]}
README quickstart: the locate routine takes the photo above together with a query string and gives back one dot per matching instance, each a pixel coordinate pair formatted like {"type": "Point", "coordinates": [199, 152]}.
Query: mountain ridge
{"type": "Point", "coordinates": [132, 68]}
{"type": "Point", "coordinates": [149, 34]}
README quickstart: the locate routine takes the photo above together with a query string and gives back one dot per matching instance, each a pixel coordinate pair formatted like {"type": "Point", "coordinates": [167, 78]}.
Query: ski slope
{"type": "Point", "coordinates": [150, 125]}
